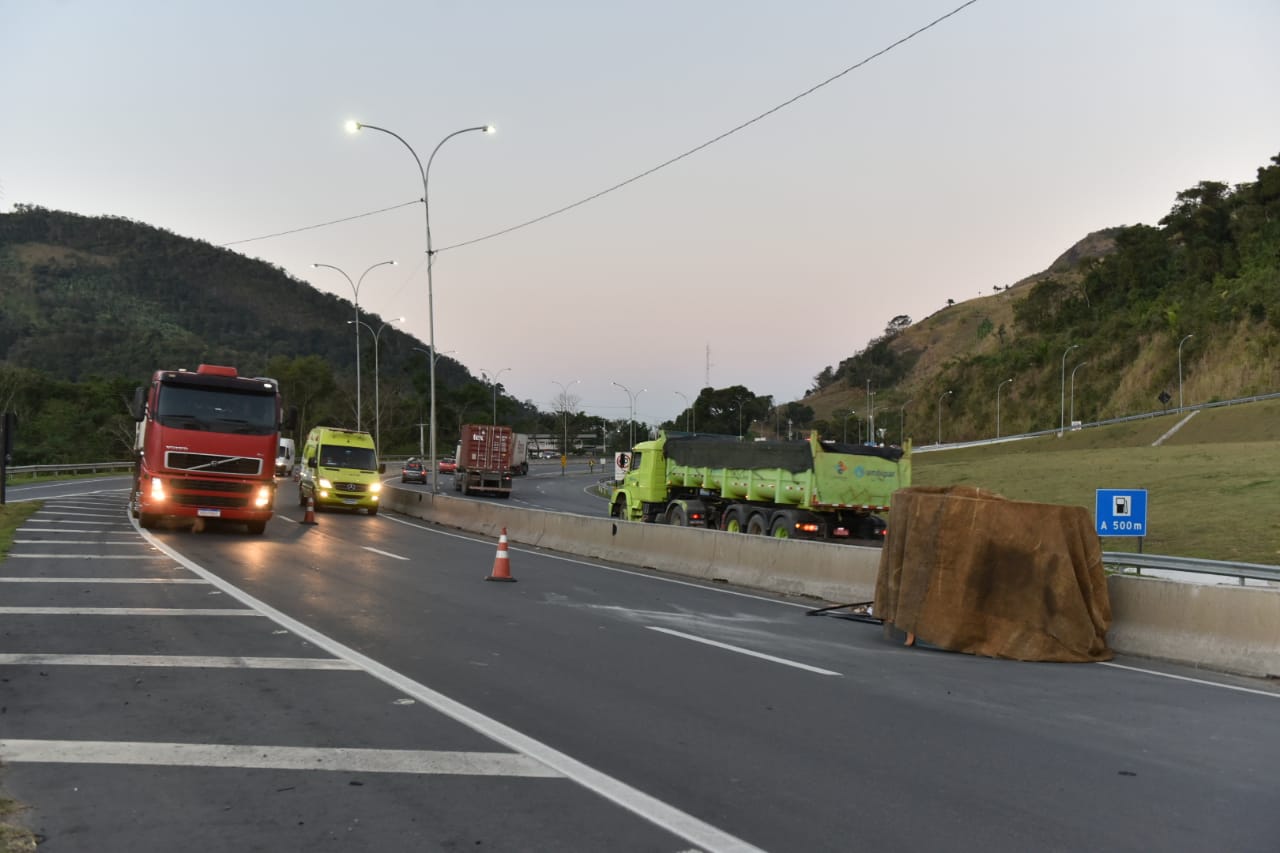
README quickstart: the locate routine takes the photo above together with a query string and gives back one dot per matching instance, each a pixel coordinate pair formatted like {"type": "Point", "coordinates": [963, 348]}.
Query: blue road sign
{"type": "Point", "coordinates": [1121, 512]}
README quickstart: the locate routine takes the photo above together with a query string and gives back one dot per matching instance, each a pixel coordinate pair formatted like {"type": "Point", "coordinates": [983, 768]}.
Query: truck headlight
{"type": "Point", "coordinates": [157, 489]}
{"type": "Point", "coordinates": [325, 483]}
{"type": "Point", "coordinates": [263, 498]}
{"type": "Point", "coordinates": [375, 488]}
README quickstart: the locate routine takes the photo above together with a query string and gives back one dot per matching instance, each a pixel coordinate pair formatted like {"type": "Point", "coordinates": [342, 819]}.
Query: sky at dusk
{"type": "Point", "coordinates": [965, 158]}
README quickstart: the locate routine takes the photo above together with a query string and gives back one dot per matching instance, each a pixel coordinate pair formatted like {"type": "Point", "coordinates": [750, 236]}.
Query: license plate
{"type": "Point", "coordinates": [209, 513]}
{"type": "Point", "coordinates": [350, 501]}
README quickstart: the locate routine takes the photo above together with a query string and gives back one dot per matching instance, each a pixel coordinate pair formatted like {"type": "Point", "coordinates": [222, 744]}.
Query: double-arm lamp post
{"type": "Point", "coordinates": [424, 172]}
{"type": "Point", "coordinates": [632, 416]}
{"type": "Point", "coordinates": [433, 358]}
{"type": "Point", "coordinates": [377, 402]}
{"type": "Point", "coordinates": [355, 294]}
{"type": "Point", "coordinates": [493, 379]}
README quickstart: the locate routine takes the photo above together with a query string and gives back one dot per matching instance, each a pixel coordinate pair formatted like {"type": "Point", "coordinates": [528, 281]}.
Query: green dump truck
{"type": "Point", "coordinates": [810, 489]}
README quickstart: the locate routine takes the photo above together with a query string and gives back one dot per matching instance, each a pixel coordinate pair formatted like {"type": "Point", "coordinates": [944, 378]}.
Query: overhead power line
{"type": "Point", "coordinates": [647, 172]}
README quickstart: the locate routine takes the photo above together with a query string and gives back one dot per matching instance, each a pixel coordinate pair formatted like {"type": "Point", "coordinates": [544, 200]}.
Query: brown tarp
{"type": "Point", "coordinates": [970, 571]}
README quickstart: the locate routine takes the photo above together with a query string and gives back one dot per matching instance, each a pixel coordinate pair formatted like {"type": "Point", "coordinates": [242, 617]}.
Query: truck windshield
{"type": "Point", "coordinates": [216, 410]}
{"type": "Point", "coordinates": [343, 456]}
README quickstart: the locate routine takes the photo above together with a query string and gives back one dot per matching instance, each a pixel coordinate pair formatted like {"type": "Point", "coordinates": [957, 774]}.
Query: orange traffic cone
{"type": "Point", "coordinates": [310, 516]}
{"type": "Point", "coordinates": [501, 562]}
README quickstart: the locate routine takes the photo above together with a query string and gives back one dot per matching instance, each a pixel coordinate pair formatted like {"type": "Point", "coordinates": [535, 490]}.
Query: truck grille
{"type": "Point", "coordinates": [213, 486]}
{"type": "Point", "coordinates": [222, 501]}
{"type": "Point", "coordinates": [213, 464]}
{"type": "Point", "coordinates": [349, 487]}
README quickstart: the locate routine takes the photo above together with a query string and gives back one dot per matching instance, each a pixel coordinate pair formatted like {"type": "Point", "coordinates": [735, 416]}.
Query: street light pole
{"type": "Point", "coordinates": [1073, 389]}
{"type": "Point", "coordinates": [1180, 343]}
{"type": "Point", "coordinates": [494, 382]}
{"type": "Point", "coordinates": [998, 387]}
{"type": "Point", "coordinates": [846, 425]}
{"type": "Point", "coordinates": [944, 394]}
{"type": "Point", "coordinates": [902, 423]}
{"type": "Point", "coordinates": [354, 126]}
{"type": "Point", "coordinates": [632, 398]}
{"type": "Point", "coordinates": [564, 401]}
{"type": "Point", "coordinates": [377, 402]}
{"type": "Point", "coordinates": [871, 415]}
{"type": "Point", "coordinates": [1062, 404]}
{"type": "Point", "coordinates": [355, 294]}
{"type": "Point", "coordinates": [433, 359]}
{"type": "Point", "coordinates": [688, 407]}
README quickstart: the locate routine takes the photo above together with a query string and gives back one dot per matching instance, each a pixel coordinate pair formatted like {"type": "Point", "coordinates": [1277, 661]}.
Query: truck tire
{"type": "Point", "coordinates": [732, 521]}
{"type": "Point", "coordinates": [758, 524]}
{"type": "Point", "coordinates": [619, 509]}
{"type": "Point", "coordinates": [256, 528]}
{"type": "Point", "coordinates": [676, 516]}
{"type": "Point", "coordinates": [373, 510]}
{"type": "Point", "coordinates": [148, 521]}
{"type": "Point", "coordinates": [781, 527]}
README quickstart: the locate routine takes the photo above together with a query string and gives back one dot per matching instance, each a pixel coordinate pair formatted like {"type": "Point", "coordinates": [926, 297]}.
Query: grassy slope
{"type": "Point", "coordinates": [13, 837]}
{"type": "Point", "coordinates": [1213, 488]}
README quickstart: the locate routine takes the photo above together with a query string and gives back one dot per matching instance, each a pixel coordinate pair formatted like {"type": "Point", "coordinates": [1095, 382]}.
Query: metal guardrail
{"type": "Point", "coordinates": [1254, 571]}
{"type": "Point", "coordinates": [90, 467]}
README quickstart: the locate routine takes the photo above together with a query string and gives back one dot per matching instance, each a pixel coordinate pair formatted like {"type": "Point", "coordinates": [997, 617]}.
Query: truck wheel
{"type": "Point", "coordinates": [757, 525]}
{"type": "Point", "coordinates": [373, 510]}
{"type": "Point", "coordinates": [256, 528]}
{"type": "Point", "coordinates": [781, 528]}
{"type": "Point", "coordinates": [676, 516]}
{"type": "Point", "coordinates": [619, 509]}
{"type": "Point", "coordinates": [732, 521]}
{"type": "Point", "coordinates": [148, 521]}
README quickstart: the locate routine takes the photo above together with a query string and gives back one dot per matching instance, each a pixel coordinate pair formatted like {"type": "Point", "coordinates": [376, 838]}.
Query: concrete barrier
{"type": "Point", "coordinates": [1229, 628]}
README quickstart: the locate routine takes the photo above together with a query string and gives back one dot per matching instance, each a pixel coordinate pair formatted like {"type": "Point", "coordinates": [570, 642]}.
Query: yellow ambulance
{"type": "Point", "coordinates": [340, 468]}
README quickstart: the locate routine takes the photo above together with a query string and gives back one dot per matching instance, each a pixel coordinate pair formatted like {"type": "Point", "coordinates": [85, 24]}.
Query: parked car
{"type": "Point", "coordinates": [448, 465]}
{"type": "Point", "coordinates": [414, 469]}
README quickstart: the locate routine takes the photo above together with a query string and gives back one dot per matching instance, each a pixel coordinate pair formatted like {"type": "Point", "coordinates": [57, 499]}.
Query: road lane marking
{"type": "Point", "coordinates": [126, 611]}
{"type": "Point", "coordinates": [384, 553]}
{"type": "Point", "coordinates": [104, 580]}
{"type": "Point", "coordinates": [77, 514]}
{"type": "Point", "coordinates": [88, 557]}
{"type": "Point", "coordinates": [196, 661]}
{"type": "Point", "coordinates": [132, 541]}
{"type": "Point", "coordinates": [128, 533]}
{"type": "Point", "coordinates": [742, 651]}
{"type": "Point", "coordinates": [40, 517]}
{"type": "Point", "coordinates": [705, 836]}
{"type": "Point", "coordinates": [421, 762]}
{"type": "Point", "coordinates": [1268, 694]}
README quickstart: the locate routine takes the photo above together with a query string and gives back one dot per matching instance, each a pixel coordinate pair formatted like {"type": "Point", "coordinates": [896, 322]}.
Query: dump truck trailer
{"type": "Point", "coordinates": [811, 489]}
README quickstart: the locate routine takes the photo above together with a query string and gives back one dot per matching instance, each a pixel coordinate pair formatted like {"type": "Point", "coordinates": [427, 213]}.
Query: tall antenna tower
{"type": "Point", "coordinates": [706, 381]}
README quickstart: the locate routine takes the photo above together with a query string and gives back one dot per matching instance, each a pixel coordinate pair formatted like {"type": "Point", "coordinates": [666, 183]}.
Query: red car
{"type": "Point", "coordinates": [448, 465]}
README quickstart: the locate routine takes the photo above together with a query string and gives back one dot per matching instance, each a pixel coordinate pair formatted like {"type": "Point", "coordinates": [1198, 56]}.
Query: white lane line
{"type": "Point", "coordinates": [743, 651]}
{"type": "Point", "coordinates": [40, 517]}
{"type": "Point", "coordinates": [1268, 694]}
{"type": "Point", "coordinates": [134, 541]}
{"type": "Point", "coordinates": [125, 611]}
{"type": "Point", "coordinates": [384, 553]}
{"type": "Point", "coordinates": [709, 838]}
{"type": "Point", "coordinates": [422, 762]}
{"type": "Point", "coordinates": [104, 580]}
{"type": "Point", "coordinates": [124, 532]}
{"type": "Point", "coordinates": [77, 515]}
{"type": "Point", "coordinates": [88, 556]}
{"type": "Point", "coordinates": [197, 661]}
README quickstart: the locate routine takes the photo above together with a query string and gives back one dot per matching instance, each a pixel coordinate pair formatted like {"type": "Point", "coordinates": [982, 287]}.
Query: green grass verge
{"type": "Point", "coordinates": [13, 838]}
{"type": "Point", "coordinates": [1213, 488]}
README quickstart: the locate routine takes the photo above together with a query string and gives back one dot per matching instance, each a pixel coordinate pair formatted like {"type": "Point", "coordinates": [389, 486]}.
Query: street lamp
{"type": "Point", "coordinates": [871, 414]}
{"type": "Point", "coordinates": [689, 407]}
{"type": "Point", "coordinates": [902, 423]}
{"type": "Point", "coordinates": [377, 403]}
{"type": "Point", "coordinates": [355, 293]}
{"type": "Point", "coordinates": [632, 421]}
{"type": "Point", "coordinates": [355, 126]}
{"type": "Point", "coordinates": [738, 400]}
{"type": "Point", "coordinates": [846, 425]}
{"type": "Point", "coordinates": [1180, 343]}
{"type": "Point", "coordinates": [998, 387]}
{"type": "Point", "coordinates": [494, 382]}
{"type": "Point", "coordinates": [433, 359]}
{"type": "Point", "coordinates": [564, 401]}
{"type": "Point", "coordinates": [944, 394]}
{"type": "Point", "coordinates": [1062, 404]}
{"type": "Point", "coordinates": [1073, 389]}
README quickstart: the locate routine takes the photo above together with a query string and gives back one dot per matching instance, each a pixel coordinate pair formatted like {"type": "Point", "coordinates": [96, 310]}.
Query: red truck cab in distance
{"type": "Point", "coordinates": [205, 447]}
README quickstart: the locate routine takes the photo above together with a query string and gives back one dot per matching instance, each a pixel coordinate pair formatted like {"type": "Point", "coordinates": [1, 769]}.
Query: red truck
{"type": "Point", "coordinates": [205, 446]}
{"type": "Point", "coordinates": [484, 460]}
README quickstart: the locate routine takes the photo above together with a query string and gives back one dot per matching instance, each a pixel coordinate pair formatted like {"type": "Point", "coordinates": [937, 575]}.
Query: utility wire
{"type": "Point", "coordinates": [646, 173]}
{"type": "Point", "coordinates": [716, 139]}
{"type": "Point", "coordinates": [320, 225]}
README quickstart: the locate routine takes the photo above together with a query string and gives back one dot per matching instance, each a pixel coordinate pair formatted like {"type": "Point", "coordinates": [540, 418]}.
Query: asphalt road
{"type": "Point", "coordinates": [662, 715]}
{"type": "Point", "coordinates": [547, 486]}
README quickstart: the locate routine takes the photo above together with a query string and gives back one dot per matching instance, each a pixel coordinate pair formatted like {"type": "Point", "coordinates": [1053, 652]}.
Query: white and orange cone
{"type": "Point", "coordinates": [310, 516]}
{"type": "Point", "coordinates": [502, 562]}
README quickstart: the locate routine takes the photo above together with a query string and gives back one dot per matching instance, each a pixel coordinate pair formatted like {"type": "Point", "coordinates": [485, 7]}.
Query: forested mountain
{"type": "Point", "coordinates": [1111, 313]}
{"type": "Point", "coordinates": [91, 305]}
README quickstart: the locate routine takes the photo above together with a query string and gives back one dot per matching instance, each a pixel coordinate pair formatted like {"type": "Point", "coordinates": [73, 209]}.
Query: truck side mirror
{"type": "Point", "coordinates": [313, 462]}
{"type": "Point", "coordinates": [138, 407]}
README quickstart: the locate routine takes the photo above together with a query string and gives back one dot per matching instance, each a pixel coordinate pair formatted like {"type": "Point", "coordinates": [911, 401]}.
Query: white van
{"type": "Point", "coordinates": [284, 458]}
